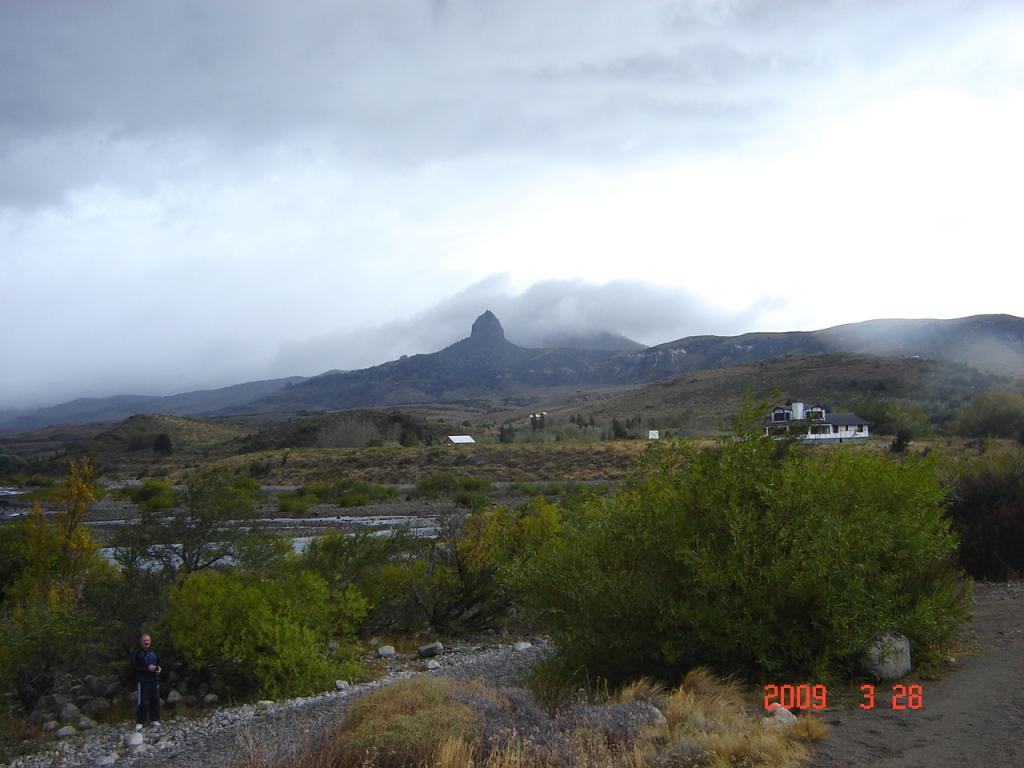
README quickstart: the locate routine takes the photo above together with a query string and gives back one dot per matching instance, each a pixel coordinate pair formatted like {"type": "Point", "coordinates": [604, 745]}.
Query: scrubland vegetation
{"type": "Point", "coordinates": [752, 558]}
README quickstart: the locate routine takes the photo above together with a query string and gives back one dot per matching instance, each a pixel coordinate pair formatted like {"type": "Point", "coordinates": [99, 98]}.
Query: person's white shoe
{"type": "Point", "coordinates": [138, 726]}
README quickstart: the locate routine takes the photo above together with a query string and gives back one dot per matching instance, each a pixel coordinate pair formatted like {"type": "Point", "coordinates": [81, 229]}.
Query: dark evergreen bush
{"type": "Point", "coordinates": [987, 508]}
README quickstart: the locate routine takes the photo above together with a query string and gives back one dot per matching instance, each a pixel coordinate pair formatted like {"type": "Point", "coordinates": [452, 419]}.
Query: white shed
{"type": "Point", "coordinates": [460, 440]}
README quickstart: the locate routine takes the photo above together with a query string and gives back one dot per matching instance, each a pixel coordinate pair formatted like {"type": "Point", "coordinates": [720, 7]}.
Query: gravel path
{"type": "Point", "coordinates": [974, 716]}
{"type": "Point", "coordinates": [226, 736]}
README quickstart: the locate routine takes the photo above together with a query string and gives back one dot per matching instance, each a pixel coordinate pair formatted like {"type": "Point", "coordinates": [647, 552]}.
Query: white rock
{"type": "Point", "coordinates": [386, 651]}
{"type": "Point", "coordinates": [85, 723]}
{"type": "Point", "coordinates": [134, 740]}
{"type": "Point", "coordinates": [888, 657]}
{"type": "Point", "coordinates": [780, 717]}
{"type": "Point", "coordinates": [433, 664]}
{"type": "Point", "coordinates": [522, 645]}
{"type": "Point", "coordinates": [66, 732]}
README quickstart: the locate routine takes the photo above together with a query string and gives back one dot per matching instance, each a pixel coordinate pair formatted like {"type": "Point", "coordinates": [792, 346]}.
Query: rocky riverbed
{"type": "Point", "coordinates": [227, 735]}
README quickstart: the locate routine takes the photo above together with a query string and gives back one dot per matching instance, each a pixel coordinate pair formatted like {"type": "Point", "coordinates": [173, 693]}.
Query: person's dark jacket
{"type": "Point", "coordinates": [141, 661]}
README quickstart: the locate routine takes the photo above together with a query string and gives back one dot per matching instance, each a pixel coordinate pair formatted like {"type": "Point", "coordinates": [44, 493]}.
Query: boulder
{"type": "Point", "coordinates": [134, 740]}
{"type": "Point", "coordinates": [50, 725]}
{"type": "Point", "coordinates": [264, 703]}
{"type": "Point", "coordinates": [522, 645]}
{"type": "Point", "coordinates": [887, 657]}
{"type": "Point", "coordinates": [341, 685]}
{"type": "Point", "coordinates": [433, 664]}
{"type": "Point", "coordinates": [210, 699]}
{"type": "Point", "coordinates": [386, 651]}
{"type": "Point", "coordinates": [70, 712]}
{"type": "Point", "coordinates": [429, 650]}
{"type": "Point", "coordinates": [621, 724]}
{"type": "Point", "coordinates": [173, 698]}
{"type": "Point", "coordinates": [96, 706]}
{"type": "Point", "coordinates": [37, 716]}
{"type": "Point", "coordinates": [85, 723]}
{"type": "Point", "coordinates": [66, 732]}
{"type": "Point", "coordinates": [111, 689]}
{"type": "Point", "coordinates": [778, 717]}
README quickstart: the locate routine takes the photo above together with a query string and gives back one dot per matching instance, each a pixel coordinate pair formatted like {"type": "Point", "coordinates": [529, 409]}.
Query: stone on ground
{"type": "Point", "coordinates": [888, 657]}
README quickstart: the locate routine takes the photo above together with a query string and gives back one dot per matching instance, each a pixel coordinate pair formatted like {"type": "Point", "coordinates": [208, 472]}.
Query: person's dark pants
{"type": "Point", "coordinates": [147, 698]}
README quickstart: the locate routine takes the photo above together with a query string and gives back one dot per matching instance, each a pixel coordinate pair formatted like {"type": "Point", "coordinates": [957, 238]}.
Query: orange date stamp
{"type": "Point", "coordinates": [816, 697]}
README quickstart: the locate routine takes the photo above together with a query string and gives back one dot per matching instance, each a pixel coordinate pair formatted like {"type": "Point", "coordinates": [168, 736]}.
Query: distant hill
{"type": "Point", "coordinates": [705, 401]}
{"type": "Point", "coordinates": [487, 369]}
{"type": "Point", "coordinates": [345, 429]}
{"type": "Point", "coordinates": [90, 410]}
{"type": "Point", "coordinates": [487, 365]}
{"type": "Point", "coordinates": [990, 343]}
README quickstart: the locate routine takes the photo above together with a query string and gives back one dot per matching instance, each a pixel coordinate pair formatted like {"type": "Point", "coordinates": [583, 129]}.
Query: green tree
{"type": "Point", "coordinates": [163, 445]}
{"type": "Point", "coordinates": [754, 557]}
{"type": "Point", "coordinates": [263, 636]}
{"type": "Point", "coordinates": [207, 526]}
{"type": "Point", "coordinates": [993, 414]}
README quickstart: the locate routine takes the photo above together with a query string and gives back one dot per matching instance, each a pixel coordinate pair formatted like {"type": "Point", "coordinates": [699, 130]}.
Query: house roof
{"type": "Point", "coordinates": [461, 439]}
{"type": "Point", "coordinates": [839, 419]}
{"type": "Point", "coordinates": [844, 420]}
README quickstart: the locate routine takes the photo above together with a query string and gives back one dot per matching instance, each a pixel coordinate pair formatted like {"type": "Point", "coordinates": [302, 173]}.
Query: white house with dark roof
{"type": "Point", "coordinates": [814, 424]}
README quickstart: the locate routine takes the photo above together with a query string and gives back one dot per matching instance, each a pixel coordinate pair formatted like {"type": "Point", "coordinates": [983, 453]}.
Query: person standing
{"type": "Point", "coordinates": [147, 684]}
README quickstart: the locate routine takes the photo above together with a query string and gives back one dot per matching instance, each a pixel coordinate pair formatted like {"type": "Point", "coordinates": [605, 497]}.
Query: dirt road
{"type": "Point", "coordinates": [974, 716]}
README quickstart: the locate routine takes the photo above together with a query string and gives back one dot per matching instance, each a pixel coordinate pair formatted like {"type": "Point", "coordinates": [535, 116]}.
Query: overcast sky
{"type": "Point", "coordinates": [199, 193]}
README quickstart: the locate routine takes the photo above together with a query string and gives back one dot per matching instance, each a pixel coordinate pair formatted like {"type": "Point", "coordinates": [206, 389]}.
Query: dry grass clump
{"type": "Point", "coordinates": [404, 724]}
{"type": "Point", "coordinates": [434, 722]}
{"type": "Point", "coordinates": [714, 715]}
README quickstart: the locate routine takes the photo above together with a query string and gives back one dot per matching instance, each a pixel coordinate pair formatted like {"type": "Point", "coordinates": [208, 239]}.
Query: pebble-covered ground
{"type": "Point", "coordinates": [227, 735]}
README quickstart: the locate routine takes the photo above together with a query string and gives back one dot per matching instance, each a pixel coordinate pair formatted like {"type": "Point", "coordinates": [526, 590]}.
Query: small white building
{"type": "Point", "coordinates": [459, 440]}
{"type": "Point", "coordinates": [653, 434]}
{"type": "Point", "coordinates": [814, 424]}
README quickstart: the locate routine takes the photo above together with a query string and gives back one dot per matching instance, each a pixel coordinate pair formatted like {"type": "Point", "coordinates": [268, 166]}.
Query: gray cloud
{"type": "Point", "coordinates": [644, 312]}
{"type": "Point", "coordinates": [124, 92]}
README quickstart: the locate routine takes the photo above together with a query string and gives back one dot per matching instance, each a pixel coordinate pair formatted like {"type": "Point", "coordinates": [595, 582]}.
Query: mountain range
{"type": "Point", "coordinates": [486, 366]}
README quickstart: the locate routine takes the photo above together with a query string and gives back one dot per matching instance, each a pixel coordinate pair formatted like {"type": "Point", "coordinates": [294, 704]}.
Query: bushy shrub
{"type": "Point", "coordinates": [41, 642]}
{"type": "Point", "coordinates": [888, 417]}
{"type": "Point", "coordinates": [986, 504]}
{"type": "Point", "coordinates": [755, 558]}
{"type": "Point", "coordinates": [350, 492]}
{"type": "Point", "coordinates": [450, 484]}
{"type": "Point", "coordinates": [295, 504]}
{"type": "Point", "coordinates": [152, 495]}
{"type": "Point", "coordinates": [264, 636]}
{"type": "Point", "coordinates": [993, 414]}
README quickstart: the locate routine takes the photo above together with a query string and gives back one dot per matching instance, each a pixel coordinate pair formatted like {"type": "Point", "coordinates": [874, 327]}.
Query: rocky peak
{"type": "Point", "coordinates": [486, 328]}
